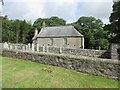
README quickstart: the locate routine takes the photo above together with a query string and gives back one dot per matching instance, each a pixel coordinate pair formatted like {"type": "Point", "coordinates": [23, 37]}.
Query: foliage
{"type": "Point", "coordinates": [15, 31]}
{"type": "Point", "coordinates": [92, 29]}
{"type": "Point", "coordinates": [53, 21]}
{"type": "Point", "coordinates": [6, 29]}
{"type": "Point", "coordinates": [114, 26]}
{"type": "Point", "coordinates": [21, 31]}
{"type": "Point", "coordinates": [17, 73]}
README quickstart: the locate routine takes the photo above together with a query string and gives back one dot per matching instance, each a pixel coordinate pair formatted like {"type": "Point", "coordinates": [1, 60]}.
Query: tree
{"type": "Point", "coordinates": [24, 30]}
{"type": "Point", "coordinates": [53, 21]}
{"type": "Point", "coordinates": [6, 29]}
{"type": "Point", "coordinates": [114, 26]}
{"type": "Point", "coordinates": [16, 31]}
{"type": "Point", "coordinates": [93, 31]}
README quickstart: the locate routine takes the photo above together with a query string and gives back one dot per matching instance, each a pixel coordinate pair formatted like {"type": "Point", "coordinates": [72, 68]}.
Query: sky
{"type": "Point", "coordinates": [69, 10]}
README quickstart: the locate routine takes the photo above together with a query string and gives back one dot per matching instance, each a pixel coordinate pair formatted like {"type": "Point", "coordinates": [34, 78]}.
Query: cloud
{"type": "Point", "coordinates": [24, 10]}
{"type": "Point", "coordinates": [63, 10]}
{"type": "Point", "coordinates": [70, 10]}
{"type": "Point", "coordinates": [100, 10]}
{"type": "Point", "coordinates": [34, 10]}
{"type": "Point", "coordinates": [59, 1]}
{"type": "Point", "coordinates": [0, 7]}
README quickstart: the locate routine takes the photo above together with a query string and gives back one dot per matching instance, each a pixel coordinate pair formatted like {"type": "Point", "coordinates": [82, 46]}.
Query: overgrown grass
{"type": "Point", "coordinates": [19, 73]}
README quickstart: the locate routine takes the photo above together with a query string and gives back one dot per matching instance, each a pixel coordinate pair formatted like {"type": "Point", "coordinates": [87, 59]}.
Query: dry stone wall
{"type": "Point", "coordinates": [87, 52]}
{"type": "Point", "coordinates": [57, 50]}
{"type": "Point", "coordinates": [115, 51]}
{"type": "Point", "coordinates": [78, 52]}
{"type": "Point", "coordinates": [96, 66]}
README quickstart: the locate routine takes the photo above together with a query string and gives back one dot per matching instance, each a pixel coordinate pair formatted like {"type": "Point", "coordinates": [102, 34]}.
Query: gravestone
{"type": "Point", "coordinates": [16, 47]}
{"type": "Point", "coordinates": [10, 46]}
{"type": "Point", "coordinates": [47, 49]}
{"type": "Point", "coordinates": [115, 51]}
{"type": "Point", "coordinates": [5, 45]}
{"type": "Point", "coordinates": [33, 47]}
{"type": "Point", "coordinates": [43, 48]}
{"type": "Point", "coordinates": [1, 47]}
{"type": "Point", "coordinates": [23, 47]}
{"type": "Point", "coordinates": [37, 47]}
{"type": "Point", "coordinates": [28, 46]}
{"type": "Point", "coordinates": [60, 50]}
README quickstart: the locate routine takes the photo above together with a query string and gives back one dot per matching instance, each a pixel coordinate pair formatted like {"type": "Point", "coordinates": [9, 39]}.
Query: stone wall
{"type": "Point", "coordinates": [87, 52]}
{"type": "Point", "coordinates": [59, 50]}
{"type": "Point", "coordinates": [70, 42]}
{"type": "Point", "coordinates": [115, 51]}
{"type": "Point", "coordinates": [96, 66]}
{"type": "Point", "coordinates": [54, 50]}
{"type": "Point", "coordinates": [79, 52]}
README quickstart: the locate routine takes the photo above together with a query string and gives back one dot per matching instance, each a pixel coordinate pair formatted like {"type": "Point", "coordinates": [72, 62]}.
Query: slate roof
{"type": "Point", "coordinates": [59, 31]}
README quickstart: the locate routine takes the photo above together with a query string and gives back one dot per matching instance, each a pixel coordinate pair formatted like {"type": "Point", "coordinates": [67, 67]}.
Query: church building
{"type": "Point", "coordinates": [59, 36]}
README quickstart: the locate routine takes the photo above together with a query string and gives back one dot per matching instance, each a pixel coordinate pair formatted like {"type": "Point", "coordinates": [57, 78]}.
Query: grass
{"type": "Point", "coordinates": [17, 73]}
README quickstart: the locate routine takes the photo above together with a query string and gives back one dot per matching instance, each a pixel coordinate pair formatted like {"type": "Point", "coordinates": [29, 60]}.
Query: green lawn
{"type": "Point", "coordinates": [18, 73]}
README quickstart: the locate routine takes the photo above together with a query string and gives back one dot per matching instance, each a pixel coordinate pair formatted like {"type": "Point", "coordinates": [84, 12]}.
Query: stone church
{"type": "Point", "coordinates": [59, 36]}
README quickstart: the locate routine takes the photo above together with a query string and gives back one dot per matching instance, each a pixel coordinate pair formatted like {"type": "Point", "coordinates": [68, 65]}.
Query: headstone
{"type": "Point", "coordinates": [10, 47]}
{"type": "Point", "coordinates": [67, 45]}
{"type": "Point", "coordinates": [29, 46]}
{"type": "Point", "coordinates": [5, 45]}
{"type": "Point", "coordinates": [16, 47]}
{"type": "Point", "coordinates": [37, 47]}
{"type": "Point", "coordinates": [26, 47]}
{"type": "Point", "coordinates": [60, 49]}
{"type": "Point", "coordinates": [33, 47]}
{"type": "Point", "coordinates": [47, 49]}
{"type": "Point", "coordinates": [23, 47]}
{"type": "Point", "coordinates": [1, 47]}
{"type": "Point", "coordinates": [43, 48]}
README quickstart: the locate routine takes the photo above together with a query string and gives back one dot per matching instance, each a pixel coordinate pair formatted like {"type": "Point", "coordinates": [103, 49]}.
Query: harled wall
{"type": "Point", "coordinates": [71, 42]}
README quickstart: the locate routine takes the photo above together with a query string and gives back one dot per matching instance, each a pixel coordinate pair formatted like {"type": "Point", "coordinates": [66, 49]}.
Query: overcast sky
{"type": "Point", "coordinates": [70, 10]}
